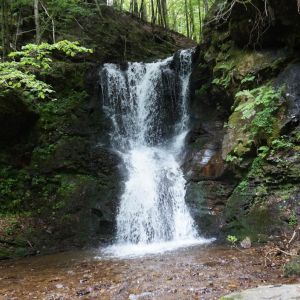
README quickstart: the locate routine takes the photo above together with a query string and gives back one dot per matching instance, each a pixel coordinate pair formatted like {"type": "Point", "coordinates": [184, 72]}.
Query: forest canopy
{"type": "Point", "coordinates": [183, 16]}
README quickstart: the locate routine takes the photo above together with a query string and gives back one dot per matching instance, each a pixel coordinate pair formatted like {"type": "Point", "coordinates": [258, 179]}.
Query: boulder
{"type": "Point", "coordinates": [282, 292]}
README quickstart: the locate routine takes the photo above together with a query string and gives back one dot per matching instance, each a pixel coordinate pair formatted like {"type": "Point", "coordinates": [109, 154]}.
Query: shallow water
{"type": "Point", "coordinates": [199, 272]}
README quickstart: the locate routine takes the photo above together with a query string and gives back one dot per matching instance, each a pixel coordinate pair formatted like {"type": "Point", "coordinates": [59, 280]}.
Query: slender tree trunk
{"type": "Point", "coordinates": [17, 30]}
{"type": "Point", "coordinates": [200, 18]}
{"type": "Point", "coordinates": [3, 35]}
{"type": "Point", "coordinates": [37, 21]}
{"type": "Point", "coordinates": [143, 11]}
{"type": "Point", "coordinates": [164, 13]}
{"type": "Point", "coordinates": [52, 21]}
{"type": "Point", "coordinates": [174, 17]}
{"type": "Point", "coordinates": [5, 28]}
{"type": "Point", "coordinates": [158, 9]}
{"type": "Point", "coordinates": [187, 18]}
{"type": "Point", "coordinates": [134, 7]}
{"type": "Point", "coordinates": [98, 8]}
{"type": "Point", "coordinates": [192, 21]}
{"type": "Point", "coordinates": [205, 6]}
{"type": "Point", "coordinates": [153, 19]}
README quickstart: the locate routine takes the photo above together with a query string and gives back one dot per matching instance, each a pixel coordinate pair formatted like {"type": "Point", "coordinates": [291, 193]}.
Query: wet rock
{"type": "Point", "coordinates": [290, 79]}
{"type": "Point", "coordinates": [82, 293]}
{"type": "Point", "coordinates": [59, 286]}
{"type": "Point", "coordinates": [145, 295]}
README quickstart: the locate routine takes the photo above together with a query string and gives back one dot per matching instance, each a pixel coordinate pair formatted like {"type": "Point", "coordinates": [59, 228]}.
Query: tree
{"type": "Point", "coordinates": [20, 74]}
{"type": "Point", "coordinates": [184, 16]}
{"type": "Point", "coordinates": [37, 21]}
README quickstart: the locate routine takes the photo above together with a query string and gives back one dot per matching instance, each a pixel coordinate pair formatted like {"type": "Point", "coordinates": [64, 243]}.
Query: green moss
{"type": "Point", "coordinates": [256, 221]}
{"type": "Point", "coordinates": [14, 190]}
{"type": "Point", "coordinates": [292, 268]}
{"type": "Point", "coordinates": [52, 112]}
{"type": "Point", "coordinates": [253, 122]}
{"type": "Point", "coordinates": [286, 191]}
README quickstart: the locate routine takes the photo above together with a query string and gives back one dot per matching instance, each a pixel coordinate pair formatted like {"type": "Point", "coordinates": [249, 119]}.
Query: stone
{"type": "Point", "coordinates": [59, 286]}
{"type": "Point", "coordinates": [282, 292]}
{"type": "Point", "coordinates": [246, 243]}
{"type": "Point", "coordinates": [290, 79]}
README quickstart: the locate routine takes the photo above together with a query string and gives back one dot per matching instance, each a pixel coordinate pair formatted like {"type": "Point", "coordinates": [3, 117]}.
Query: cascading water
{"type": "Point", "coordinates": [147, 104]}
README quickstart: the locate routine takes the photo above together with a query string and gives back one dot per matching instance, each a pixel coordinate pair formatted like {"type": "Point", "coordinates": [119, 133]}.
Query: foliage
{"type": "Point", "coordinates": [293, 220]}
{"type": "Point", "coordinates": [256, 167]}
{"type": "Point", "coordinates": [13, 190]}
{"type": "Point", "coordinates": [258, 108]}
{"type": "Point", "coordinates": [248, 78]}
{"type": "Point", "coordinates": [243, 186]}
{"type": "Point", "coordinates": [21, 74]}
{"type": "Point", "coordinates": [282, 143]}
{"type": "Point", "coordinates": [232, 158]}
{"type": "Point", "coordinates": [232, 239]}
{"type": "Point", "coordinates": [14, 77]}
{"type": "Point", "coordinates": [292, 268]}
{"type": "Point", "coordinates": [225, 70]}
{"type": "Point", "coordinates": [263, 151]}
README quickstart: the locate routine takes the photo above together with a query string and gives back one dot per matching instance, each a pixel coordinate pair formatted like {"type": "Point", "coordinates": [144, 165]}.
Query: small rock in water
{"type": "Point", "coordinates": [232, 286]}
{"type": "Point", "coordinates": [59, 286]}
{"type": "Point", "coordinates": [144, 295]}
{"type": "Point", "coordinates": [246, 243]}
{"type": "Point", "coordinates": [82, 292]}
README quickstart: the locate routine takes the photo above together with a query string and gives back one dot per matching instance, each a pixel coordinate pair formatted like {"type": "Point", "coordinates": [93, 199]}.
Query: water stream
{"type": "Point", "coordinates": [147, 104]}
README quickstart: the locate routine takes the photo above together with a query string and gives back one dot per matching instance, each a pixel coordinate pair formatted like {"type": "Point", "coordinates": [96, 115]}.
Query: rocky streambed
{"type": "Point", "coordinates": [191, 273]}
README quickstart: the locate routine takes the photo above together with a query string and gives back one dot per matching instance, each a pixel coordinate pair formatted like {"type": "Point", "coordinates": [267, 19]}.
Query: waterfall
{"type": "Point", "coordinates": [147, 105]}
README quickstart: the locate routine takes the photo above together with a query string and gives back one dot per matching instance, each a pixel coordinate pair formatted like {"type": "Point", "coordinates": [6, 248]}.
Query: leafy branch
{"type": "Point", "coordinates": [20, 74]}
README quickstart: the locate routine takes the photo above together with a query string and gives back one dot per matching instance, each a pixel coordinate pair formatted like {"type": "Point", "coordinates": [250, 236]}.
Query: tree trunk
{"type": "Point", "coordinates": [205, 6]}
{"type": "Point", "coordinates": [200, 19]}
{"type": "Point", "coordinates": [5, 28]}
{"type": "Point", "coordinates": [143, 11]}
{"type": "Point", "coordinates": [192, 23]}
{"type": "Point", "coordinates": [153, 17]}
{"type": "Point", "coordinates": [164, 13]}
{"type": "Point", "coordinates": [187, 18]}
{"type": "Point", "coordinates": [52, 21]}
{"type": "Point", "coordinates": [37, 21]}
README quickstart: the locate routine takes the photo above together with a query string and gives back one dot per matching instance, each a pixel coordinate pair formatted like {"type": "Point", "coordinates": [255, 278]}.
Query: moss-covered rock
{"type": "Point", "coordinates": [292, 268]}
{"type": "Point", "coordinates": [251, 83]}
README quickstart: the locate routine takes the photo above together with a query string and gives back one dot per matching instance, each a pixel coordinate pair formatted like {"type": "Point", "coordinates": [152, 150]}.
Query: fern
{"type": "Point", "coordinates": [259, 107]}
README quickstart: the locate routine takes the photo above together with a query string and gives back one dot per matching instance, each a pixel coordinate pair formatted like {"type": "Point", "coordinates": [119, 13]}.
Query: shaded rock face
{"type": "Point", "coordinates": [16, 120]}
{"type": "Point", "coordinates": [290, 79]}
{"type": "Point", "coordinates": [276, 25]}
{"type": "Point", "coordinates": [205, 169]}
{"type": "Point", "coordinates": [234, 188]}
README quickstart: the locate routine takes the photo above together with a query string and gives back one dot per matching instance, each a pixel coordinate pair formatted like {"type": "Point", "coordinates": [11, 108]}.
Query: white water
{"type": "Point", "coordinates": [147, 104]}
